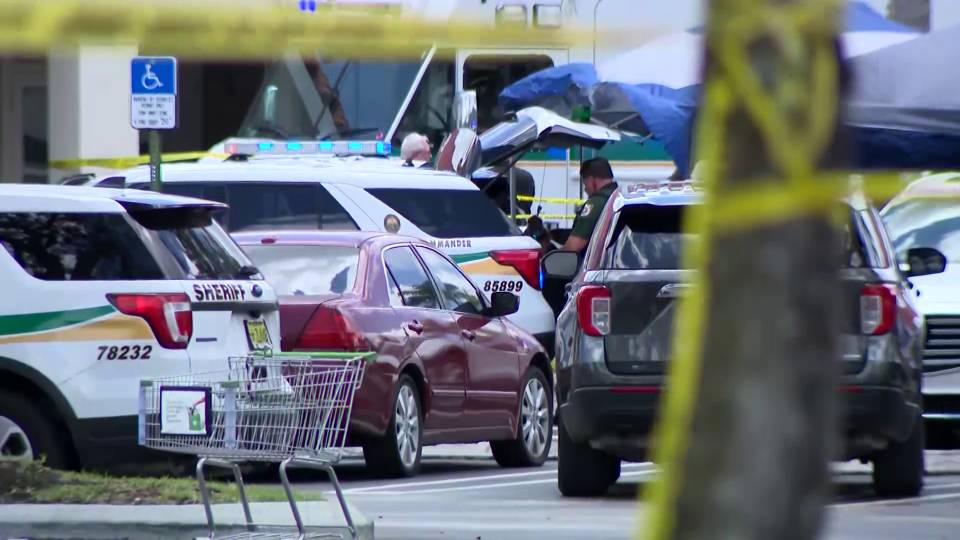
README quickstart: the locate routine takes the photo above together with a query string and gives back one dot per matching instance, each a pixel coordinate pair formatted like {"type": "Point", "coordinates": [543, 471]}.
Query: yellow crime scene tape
{"type": "Point", "coordinates": [212, 30]}
{"type": "Point", "coordinates": [130, 162]}
{"type": "Point", "coordinates": [550, 200]}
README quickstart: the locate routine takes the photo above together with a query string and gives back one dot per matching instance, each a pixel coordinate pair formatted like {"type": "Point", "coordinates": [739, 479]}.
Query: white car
{"type": "Point", "coordinates": [104, 288]}
{"type": "Point", "coordinates": [355, 186]}
{"type": "Point", "coordinates": [927, 215]}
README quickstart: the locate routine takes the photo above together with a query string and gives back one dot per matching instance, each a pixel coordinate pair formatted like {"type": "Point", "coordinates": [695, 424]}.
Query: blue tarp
{"type": "Point", "coordinates": [667, 114]}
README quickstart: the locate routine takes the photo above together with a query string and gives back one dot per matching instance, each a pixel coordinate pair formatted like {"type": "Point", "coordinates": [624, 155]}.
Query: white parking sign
{"type": "Point", "coordinates": [153, 92]}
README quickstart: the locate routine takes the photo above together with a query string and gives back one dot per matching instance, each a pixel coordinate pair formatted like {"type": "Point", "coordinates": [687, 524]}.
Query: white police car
{"type": "Point", "coordinates": [355, 186]}
{"type": "Point", "coordinates": [103, 288]}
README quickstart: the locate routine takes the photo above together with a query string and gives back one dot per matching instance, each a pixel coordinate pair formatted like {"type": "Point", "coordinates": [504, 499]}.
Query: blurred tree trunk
{"type": "Point", "coordinates": [763, 430]}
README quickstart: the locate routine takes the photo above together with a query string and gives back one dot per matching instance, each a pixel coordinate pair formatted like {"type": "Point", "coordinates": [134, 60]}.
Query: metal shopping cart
{"type": "Point", "coordinates": [291, 409]}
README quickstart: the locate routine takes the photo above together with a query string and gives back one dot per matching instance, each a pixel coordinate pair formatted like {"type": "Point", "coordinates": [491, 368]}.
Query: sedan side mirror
{"type": "Point", "coordinates": [561, 264]}
{"type": "Point", "coordinates": [925, 261]}
{"type": "Point", "coordinates": [503, 304]}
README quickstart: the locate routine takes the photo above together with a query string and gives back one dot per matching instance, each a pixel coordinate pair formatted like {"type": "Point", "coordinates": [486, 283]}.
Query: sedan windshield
{"type": "Point", "coordinates": [933, 223]}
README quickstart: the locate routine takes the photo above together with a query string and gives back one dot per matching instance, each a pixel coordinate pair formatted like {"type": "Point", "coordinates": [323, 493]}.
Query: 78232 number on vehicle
{"type": "Point", "coordinates": [503, 285]}
{"type": "Point", "coordinates": [126, 352]}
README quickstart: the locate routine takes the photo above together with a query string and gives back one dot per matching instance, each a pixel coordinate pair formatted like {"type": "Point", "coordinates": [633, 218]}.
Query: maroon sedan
{"type": "Point", "coordinates": [450, 367]}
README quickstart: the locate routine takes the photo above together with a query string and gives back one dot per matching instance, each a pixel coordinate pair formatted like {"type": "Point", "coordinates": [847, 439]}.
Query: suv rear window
{"type": "Point", "coordinates": [149, 245]}
{"type": "Point", "coordinates": [273, 206]}
{"type": "Point", "coordinates": [448, 213]}
{"type": "Point", "coordinates": [307, 270]}
{"type": "Point", "coordinates": [646, 237]}
{"type": "Point", "coordinates": [77, 247]}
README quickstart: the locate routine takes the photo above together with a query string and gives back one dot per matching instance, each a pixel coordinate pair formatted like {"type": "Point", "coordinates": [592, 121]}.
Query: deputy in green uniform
{"type": "Point", "coordinates": [597, 177]}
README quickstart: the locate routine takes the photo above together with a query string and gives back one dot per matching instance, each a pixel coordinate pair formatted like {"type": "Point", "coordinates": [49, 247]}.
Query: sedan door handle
{"type": "Point", "coordinates": [415, 326]}
{"type": "Point", "coordinates": [469, 334]}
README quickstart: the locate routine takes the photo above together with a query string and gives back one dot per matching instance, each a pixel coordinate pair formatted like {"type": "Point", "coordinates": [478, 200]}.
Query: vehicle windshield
{"type": "Point", "coordinates": [933, 223]}
{"type": "Point", "coordinates": [329, 99]}
{"type": "Point", "coordinates": [307, 270]}
{"type": "Point", "coordinates": [448, 213]}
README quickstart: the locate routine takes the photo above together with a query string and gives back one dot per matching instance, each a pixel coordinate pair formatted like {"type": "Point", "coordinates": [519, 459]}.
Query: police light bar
{"type": "Point", "coordinates": [310, 148]}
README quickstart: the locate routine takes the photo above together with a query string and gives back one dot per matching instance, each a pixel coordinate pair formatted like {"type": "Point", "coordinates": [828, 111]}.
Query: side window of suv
{"type": "Point", "coordinates": [258, 206]}
{"type": "Point", "coordinates": [490, 74]}
{"type": "Point", "coordinates": [416, 289]}
{"type": "Point", "coordinates": [77, 247]}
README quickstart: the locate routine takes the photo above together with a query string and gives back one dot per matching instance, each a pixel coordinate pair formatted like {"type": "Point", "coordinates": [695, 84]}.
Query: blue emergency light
{"type": "Point", "coordinates": [311, 148]}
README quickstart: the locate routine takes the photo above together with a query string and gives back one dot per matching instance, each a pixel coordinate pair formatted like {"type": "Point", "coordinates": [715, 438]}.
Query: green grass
{"type": "Point", "coordinates": [31, 482]}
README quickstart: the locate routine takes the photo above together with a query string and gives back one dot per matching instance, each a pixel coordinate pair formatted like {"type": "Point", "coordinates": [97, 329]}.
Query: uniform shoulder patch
{"type": "Point", "coordinates": [587, 208]}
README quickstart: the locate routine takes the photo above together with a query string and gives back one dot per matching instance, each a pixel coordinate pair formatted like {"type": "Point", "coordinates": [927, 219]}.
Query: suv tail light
{"type": "Point", "coordinates": [329, 329]}
{"type": "Point", "coordinates": [168, 315]}
{"type": "Point", "coordinates": [525, 261]}
{"type": "Point", "coordinates": [878, 309]}
{"type": "Point", "coordinates": [593, 310]}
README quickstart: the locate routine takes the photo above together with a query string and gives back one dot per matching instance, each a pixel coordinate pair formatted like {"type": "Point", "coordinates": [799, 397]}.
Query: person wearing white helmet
{"type": "Point", "coordinates": [415, 147]}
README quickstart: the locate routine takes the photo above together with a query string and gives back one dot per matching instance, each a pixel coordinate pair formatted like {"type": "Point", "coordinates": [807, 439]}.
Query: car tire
{"type": "Point", "coordinates": [391, 455]}
{"type": "Point", "coordinates": [581, 470]}
{"type": "Point", "coordinates": [531, 446]}
{"type": "Point", "coordinates": [898, 470]}
{"type": "Point", "coordinates": [25, 428]}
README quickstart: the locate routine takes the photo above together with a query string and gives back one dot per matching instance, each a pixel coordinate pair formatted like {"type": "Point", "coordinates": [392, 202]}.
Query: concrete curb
{"type": "Point", "coordinates": [156, 522]}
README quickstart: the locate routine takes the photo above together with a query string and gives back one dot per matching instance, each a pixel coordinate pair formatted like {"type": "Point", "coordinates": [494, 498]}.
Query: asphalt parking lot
{"type": "Point", "coordinates": [471, 499]}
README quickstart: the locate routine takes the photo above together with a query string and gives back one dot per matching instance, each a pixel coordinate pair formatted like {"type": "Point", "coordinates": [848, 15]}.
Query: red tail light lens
{"type": "Point", "coordinates": [593, 310]}
{"type": "Point", "coordinates": [168, 315]}
{"type": "Point", "coordinates": [329, 329]}
{"type": "Point", "coordinates": [525, 261]}
{"type": "Point", "coordinates": [878, 309]}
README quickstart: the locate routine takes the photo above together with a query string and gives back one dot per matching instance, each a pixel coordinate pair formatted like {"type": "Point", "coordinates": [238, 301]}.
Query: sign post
{"type": "Point", "coordinates": [153, 103]}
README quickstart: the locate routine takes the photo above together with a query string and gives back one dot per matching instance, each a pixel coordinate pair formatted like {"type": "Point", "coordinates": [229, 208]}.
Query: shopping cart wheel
{"type": "Point", "coordinates": [397, 453]}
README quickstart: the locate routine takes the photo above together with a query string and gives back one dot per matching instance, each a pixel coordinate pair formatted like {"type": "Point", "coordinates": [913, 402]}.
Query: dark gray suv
{"type": "Point", "coordinates": [614, 338]}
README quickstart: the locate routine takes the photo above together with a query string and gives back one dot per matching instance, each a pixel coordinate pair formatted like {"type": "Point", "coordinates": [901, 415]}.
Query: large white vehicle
{"type": "Point", "coordinates": [926, 215]}
{"type": "Point", "coordinates": [323, 99]}
{"type": "Point", "coordinates": [343, 185]}
{"type": "Point", "coordinates": [104, 288]}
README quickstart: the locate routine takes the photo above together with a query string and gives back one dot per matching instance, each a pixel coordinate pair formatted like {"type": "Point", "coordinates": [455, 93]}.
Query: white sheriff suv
{"type": "Point", "coordinates": [104, 288]}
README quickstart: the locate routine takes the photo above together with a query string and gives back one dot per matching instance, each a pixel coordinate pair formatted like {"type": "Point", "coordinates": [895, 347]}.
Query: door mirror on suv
{"type": "Point", "coordinates": [924, 261]}
{"type": "Point", "coordinates": [465, 110]}
{"type": "Point", "coordinates": [503, 304]}
{"type": "Point", "coordinates": [561, 264]}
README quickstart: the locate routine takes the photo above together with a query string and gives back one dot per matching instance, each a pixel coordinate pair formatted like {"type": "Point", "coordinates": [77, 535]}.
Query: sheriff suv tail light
{"type": "Point", "coordinates": [593, 310]}
{"type": "Point", "coordinates": [878, 309]}
{"type": "Point", "coordinates": [329, 329]}
{"type": "Point", "coordinates": [168, 315]}
{"type": "Point", "coordinates": [525, 261]}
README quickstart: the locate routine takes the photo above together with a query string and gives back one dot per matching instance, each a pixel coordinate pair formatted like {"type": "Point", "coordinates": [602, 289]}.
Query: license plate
{"type": "Point", "coordinates": [257, 335]}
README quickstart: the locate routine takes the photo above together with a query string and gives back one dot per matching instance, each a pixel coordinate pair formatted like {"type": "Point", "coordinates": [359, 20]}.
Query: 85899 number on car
{"type": "Point", "coordinates": [503, 285]}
